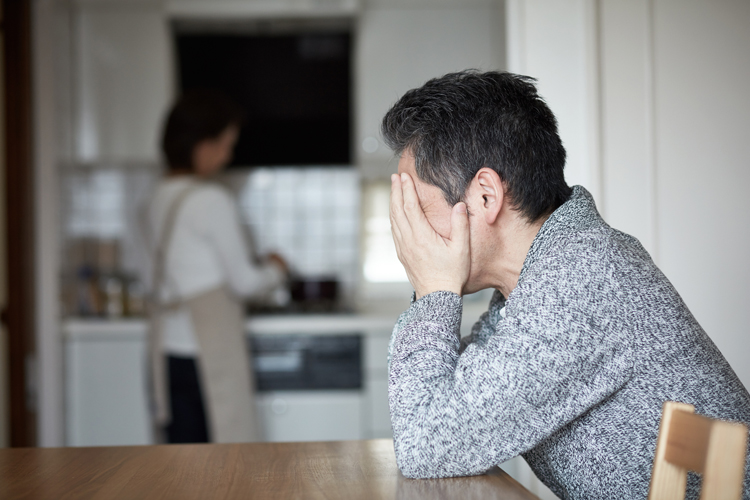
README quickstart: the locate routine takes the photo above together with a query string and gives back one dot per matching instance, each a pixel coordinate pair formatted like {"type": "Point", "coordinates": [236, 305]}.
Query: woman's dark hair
{"type": "Point", "coordinates": [459, 123]}
{"type": "Point", "coordinates": [196, 116]}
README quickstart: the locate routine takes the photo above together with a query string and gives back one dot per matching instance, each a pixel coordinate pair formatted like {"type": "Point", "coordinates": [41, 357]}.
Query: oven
{"type": "Point", "coordinates": [310, 386]}
{"type": "Point", "coordinates": [307, 362]}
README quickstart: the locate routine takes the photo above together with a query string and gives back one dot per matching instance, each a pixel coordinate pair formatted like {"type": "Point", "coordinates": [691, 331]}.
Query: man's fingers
{"type": "Point", "coordinates": [430, 261]}
{"type": "Point", "coordinates": [399, 223]}
{"type": "Point", "coordinates": [398, 218]}
{"type": "Point", "coordinates": [397, 199]}
{"type": "Point", "coordinates": [412, 209]}
{"type": "Point", "coordinates": [459, 225]}
{"type": "Point", "coordinates": [397, 244]}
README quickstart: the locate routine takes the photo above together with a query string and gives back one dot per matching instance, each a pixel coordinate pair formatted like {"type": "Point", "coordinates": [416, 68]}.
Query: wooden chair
{"type": "Point", "coordinates": [713, 448]}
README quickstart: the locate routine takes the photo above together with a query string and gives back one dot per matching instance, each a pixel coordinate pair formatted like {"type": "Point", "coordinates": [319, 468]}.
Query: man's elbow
{"type": "Point", "coordinates": [418, 461]}
{"type": "Point", "coordinates": [416, 469]}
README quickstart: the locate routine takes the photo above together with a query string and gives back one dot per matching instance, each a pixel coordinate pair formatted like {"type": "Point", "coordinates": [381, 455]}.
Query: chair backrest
{"type": "Point", "coordinates": [714, 448]}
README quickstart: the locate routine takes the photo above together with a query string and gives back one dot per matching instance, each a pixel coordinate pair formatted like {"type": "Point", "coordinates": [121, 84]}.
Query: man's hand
{"type": "Point", "coordinates": [432, 262]}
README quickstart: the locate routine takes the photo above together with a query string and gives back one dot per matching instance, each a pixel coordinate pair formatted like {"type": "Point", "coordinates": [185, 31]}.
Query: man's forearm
{"type": "Point", "coordinates": [424, 352]}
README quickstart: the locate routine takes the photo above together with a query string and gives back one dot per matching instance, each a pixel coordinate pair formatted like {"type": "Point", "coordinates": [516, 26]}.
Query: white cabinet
{"type": "Point", "coordinates": [105, 384]}
{"type": "Point", "coordinates": [123, 80]}
{"type": "Point", "coordinates": [400, 46]}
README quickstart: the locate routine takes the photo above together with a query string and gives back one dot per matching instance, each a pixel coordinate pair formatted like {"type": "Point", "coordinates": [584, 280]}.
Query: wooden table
{"type": "Point", "coordinates": [330, 470]}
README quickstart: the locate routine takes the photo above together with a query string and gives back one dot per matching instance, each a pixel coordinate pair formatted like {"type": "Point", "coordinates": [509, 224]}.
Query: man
{"type": "Point", "coordinates": [584, 338]}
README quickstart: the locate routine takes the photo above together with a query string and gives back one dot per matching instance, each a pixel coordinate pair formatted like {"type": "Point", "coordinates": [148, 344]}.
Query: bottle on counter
{"type": "Point", "coordinates": [95, 284]}
{"type": "Point", "coordinates": [80, 279]}
{"type": "Point", "coordinates": [135, 297]}
{"type": "Point", "coordinates": [111, 286]}
{"type": "Point", "coordinates": [88, 301]}
{"type": "Point", "coordinates": [112, 294]}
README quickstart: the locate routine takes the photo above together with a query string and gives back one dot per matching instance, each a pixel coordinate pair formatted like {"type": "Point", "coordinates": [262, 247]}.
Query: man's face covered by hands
{"type": "Point", "coordinates": [431, 199]}
{"type": "Point", "coordinates": [431, 237]}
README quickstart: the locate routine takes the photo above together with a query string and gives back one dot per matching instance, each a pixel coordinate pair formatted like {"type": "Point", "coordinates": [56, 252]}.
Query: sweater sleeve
{"type": "Point", "coordinates": [220, 225]}
{"type": "Point", "coordinates": [460, 414]}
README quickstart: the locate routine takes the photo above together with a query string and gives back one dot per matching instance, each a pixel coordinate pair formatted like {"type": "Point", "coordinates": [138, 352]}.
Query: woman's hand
{"type": "Point", "coordinates": [278, 261]}
{"type": "Point", "coordinates": [432, 262]}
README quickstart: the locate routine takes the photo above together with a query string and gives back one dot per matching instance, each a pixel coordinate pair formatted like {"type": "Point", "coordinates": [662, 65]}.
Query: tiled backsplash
{"type": "Point", "coordinates": [308, 215]}
{"type": "Point", "coordinates": [106, 204]}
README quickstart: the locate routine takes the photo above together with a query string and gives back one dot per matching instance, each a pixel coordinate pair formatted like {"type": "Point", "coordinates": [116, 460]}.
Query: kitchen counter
{"type": "Point", "coordinates": [272, 324]}
{"type": "Point", "coordinates": [378, 322]}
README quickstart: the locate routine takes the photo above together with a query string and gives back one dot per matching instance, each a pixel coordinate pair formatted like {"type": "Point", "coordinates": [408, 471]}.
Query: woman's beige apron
{"type": "Point", "coordinates": [223, 362]}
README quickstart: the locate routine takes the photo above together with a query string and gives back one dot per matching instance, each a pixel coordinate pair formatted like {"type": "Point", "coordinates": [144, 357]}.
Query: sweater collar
{"type": "Point", "coordinates": [577, 214]}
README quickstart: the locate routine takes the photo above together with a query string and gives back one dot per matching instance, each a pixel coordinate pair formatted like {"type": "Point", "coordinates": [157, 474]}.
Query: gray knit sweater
{"type": "Point", "coordinates": [593, 341]}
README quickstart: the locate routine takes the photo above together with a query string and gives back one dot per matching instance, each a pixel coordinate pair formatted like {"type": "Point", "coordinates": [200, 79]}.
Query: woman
{"type": "Point", "coordinates": [202, 382]}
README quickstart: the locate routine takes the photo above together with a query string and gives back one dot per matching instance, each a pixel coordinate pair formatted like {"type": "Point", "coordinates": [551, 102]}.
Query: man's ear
{"type": "Point", "coordinates": [490, 192]}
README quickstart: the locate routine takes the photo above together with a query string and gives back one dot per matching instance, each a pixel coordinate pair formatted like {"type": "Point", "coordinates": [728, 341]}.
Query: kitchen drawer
{"type": "Point", "coordinates": [311, 415]}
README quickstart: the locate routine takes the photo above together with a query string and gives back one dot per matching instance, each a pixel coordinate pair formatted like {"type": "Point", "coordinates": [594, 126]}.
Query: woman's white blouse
{"type": "Point", "coordinates": [207, 250]}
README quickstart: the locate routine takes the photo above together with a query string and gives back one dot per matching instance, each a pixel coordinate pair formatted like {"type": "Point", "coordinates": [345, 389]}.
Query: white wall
{"type": "Point", "coordinates": [555, 42]}
{"type": "Point", "coordinates": [675, 79]}
{"type": "Point", "coordinates": [652, 103]}
{"type": "Point", "coordinates": [628, 168]}
{"type": "Point", "coordinates": [402, 44]}
{"type": "Point", "coordinates": [702, 163]}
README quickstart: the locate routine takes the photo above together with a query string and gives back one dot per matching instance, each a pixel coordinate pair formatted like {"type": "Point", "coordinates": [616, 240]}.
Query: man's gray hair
{"type": "Point", "coordinates": [459, 123]}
